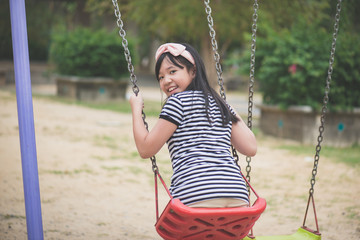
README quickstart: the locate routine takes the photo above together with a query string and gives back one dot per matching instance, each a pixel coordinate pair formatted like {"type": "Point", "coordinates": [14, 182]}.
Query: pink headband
{"type": "Point", "coordinates": [175, 49]}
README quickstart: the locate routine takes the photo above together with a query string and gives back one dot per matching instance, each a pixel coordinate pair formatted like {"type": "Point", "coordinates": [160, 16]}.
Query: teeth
{"type": "Point", "coordinates": [171, 89]}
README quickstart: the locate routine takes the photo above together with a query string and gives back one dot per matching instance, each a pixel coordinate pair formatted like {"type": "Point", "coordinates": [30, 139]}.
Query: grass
{"type": "Point", "coordinates": [105, 141]}
{"type": "Point", "coordinates": [11, 216]}
{"type": "Point", "coordinates": [152, 108]}
{"type": "Point", "coordinates": [352, 213]}
{"type": "Point", "coordinates": [100, 158]}
{"type": "Point", "coordinates": [67, 172]}
{"type": "Point", "coordinates": [135, 170]}
{"type": "Point", "coordinates": [113, 168]}
{"type": "Point", "coordinates": [347, 155]}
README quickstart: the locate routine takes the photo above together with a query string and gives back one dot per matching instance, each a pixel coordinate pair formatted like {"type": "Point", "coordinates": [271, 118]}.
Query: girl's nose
{"type": "Point", "coordinates": [167, 79]}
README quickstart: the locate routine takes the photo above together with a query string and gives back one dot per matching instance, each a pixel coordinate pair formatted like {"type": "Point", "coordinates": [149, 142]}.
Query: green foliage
{"type": "Point", "coordinates": [153, 108]}
{"type": "Point", "coordinates": [38, 25]}
{"type": "Point", "coordinates": [88, 53]}
{"type": "Point", "coordinates": [345, 91]}
{"type": "Point", "coordinates": [292, 66]}
{"type": "Point", "coordinates": [5, 26]}
{"type": "Point", "coordinates": [347, 155]}
{"type": "Point", "coordinates": [185, 21]}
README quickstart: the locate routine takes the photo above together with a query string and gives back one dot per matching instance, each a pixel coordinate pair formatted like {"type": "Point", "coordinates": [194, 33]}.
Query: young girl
{"type": "Point", "coordinates": [199, 128]}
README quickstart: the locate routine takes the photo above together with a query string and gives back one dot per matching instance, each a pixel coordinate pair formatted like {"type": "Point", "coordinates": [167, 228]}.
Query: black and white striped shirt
{"type": "Point", "coordinates": [203, 167]}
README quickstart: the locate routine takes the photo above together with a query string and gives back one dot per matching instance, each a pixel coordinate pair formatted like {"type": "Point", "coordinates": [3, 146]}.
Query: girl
{"type": "Point", "coordinates": [199, 128]}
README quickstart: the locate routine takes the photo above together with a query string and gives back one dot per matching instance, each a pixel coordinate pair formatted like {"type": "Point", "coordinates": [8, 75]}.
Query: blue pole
{"type": "Point", "coordinates": [26, 120]}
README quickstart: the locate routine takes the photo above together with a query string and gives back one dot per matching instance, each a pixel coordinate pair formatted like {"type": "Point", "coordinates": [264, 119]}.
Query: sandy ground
{"type": "Point", "coordinates": [94, 185]}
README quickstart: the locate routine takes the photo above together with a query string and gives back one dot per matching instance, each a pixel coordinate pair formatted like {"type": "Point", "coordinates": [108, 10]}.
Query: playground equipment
{"type": "Point", "coordinates": [27, 132]}
{"type": "Point", "coordinates": [181, 222]}
{"type": "Point", "coordinates": [26, 120]}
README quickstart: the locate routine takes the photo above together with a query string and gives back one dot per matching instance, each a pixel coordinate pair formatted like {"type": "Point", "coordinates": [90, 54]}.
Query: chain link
{"type": "Point", "coordinates": [124, 42]}
{"type": "Point", "coordinates": [252, 79]}
{"type": "Point", "coordinates": [131, 69]}
{"type": "Point", "coordinates": [252, 72]}
{"type": "Point", "coordinates": [326, 98]}
{"type": "Point", "coordinates": [252, 63]}
{"type": "Point", "coordinates": [214, 44]}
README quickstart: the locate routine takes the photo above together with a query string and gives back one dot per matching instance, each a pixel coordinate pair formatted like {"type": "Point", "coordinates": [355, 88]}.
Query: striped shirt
{"type": "Point", "coordinates": [203, 167]}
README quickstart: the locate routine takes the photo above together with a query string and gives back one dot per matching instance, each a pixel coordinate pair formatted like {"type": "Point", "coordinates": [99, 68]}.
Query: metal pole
{"type": "Point", "coordinates": [26, 120]}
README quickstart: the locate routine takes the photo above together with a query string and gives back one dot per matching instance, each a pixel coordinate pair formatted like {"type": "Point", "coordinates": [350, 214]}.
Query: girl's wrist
{"type": "Point", "coordinates": [137, 111]}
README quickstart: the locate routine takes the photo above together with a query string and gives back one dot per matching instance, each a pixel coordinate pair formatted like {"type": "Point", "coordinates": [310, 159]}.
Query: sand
{"type": "Point", "coordinates": [94, 185]}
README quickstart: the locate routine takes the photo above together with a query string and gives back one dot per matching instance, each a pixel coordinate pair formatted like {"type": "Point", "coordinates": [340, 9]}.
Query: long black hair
{"type": "Point", "coordinates": [200, 81]}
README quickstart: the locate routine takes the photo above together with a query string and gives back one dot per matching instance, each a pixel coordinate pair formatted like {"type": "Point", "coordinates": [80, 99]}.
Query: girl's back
{"type": "Point", "coordinates": [200, 150]}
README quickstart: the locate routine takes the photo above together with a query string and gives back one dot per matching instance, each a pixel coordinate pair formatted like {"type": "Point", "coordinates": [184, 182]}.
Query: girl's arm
{"type": "Point", "coordinates": [148, 143]}
{"type": "Point", "coordinates": [243, 139]}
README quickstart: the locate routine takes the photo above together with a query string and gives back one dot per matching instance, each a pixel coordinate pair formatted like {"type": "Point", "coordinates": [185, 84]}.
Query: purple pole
{"type": "Point", "coordinates": [26, 120]}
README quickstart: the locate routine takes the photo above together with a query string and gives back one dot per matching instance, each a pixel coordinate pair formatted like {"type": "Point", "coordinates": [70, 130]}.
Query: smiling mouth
{"type": "Point", "coordinates": [172, 89]}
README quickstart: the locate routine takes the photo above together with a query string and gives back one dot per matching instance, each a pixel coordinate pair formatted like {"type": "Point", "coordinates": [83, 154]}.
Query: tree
{"type": "Point", "coordinates": [185, 21]}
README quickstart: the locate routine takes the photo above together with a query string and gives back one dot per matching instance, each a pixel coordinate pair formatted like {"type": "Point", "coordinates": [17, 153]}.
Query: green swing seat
{"type": "Point", "coordinates": [300, 234]}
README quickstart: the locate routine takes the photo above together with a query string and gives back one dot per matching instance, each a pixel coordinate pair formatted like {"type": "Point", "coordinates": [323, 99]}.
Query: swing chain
{"type": "Point", "coordinates": [252, 63]}
{"type": "Point", "coordinates": [252, 79]}
{"type": "Point", "coordinates": [154, 166]}
{"type": "Point", "coordinates": [252, 71]}
{"type": "Point", "coordinates": [326, 98]}
{"type": "Point", "coordinates": [217, 64]}
{"type": "Point", "coordinates": [322, 118]}
{"type": "Point", "coordinates": [131, 69]}
{"type": "Point", "coordinates": [215, 48]}
{"type": "Point", "coordinates": [122, 34]}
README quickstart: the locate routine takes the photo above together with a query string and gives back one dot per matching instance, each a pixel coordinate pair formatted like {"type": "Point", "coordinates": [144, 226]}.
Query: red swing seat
{"type": "Point", "coordinates": [179, 221]}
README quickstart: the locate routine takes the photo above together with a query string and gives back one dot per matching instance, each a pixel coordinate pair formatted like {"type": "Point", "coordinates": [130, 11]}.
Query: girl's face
{"type": "Point", "coordinates": [174, 79]}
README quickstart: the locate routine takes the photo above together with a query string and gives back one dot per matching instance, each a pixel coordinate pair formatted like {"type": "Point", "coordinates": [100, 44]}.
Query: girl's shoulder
{"type": "Point", "coordinates": [186, 98]}
{"type": "Point", "coordinates": [188, 93]}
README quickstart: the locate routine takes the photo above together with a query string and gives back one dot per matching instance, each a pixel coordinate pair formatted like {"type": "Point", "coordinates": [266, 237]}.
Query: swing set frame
{"type": "Point", "coordinates": [303, 232]}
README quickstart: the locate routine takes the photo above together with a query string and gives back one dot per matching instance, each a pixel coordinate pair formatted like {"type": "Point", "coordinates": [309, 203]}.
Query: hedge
{"type": "Point", "coordinates": [292, 66]}
{"type": "Point", "coordinates": [88, 53]}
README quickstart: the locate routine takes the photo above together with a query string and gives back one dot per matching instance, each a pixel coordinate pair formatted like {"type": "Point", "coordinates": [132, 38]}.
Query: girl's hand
{"type": "Point", "coordinates": [148, 143]}
{"type": "Point", "coordinates": [137, 103]}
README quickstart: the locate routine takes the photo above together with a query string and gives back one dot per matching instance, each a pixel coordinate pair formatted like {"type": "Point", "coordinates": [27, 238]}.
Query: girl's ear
{"type": "Point", "coordinates": [193, 72]}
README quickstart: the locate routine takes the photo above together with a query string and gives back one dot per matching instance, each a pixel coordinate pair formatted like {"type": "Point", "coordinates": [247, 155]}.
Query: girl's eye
{"type": "Point", "coordinates": [172, 71]}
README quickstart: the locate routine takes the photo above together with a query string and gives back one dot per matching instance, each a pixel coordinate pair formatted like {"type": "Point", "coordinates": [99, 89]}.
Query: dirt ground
{"type": "Point", "coordinates": [94, 185]}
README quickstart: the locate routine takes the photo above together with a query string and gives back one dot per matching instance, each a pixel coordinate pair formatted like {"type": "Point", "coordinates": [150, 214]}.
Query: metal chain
{"type": "Point", "coordinates": [326, 98]}
{"type": "Point", "coordinates": [252, 63]}
{"type": "Point", "coordinates": [131, 69]}
{"type": "Point", "coordinates": [212, 34]}
{"type": "Point", "coordinates": [252, 79]}
{"type": "Point", "coordinates": [122, 34]}
{"type": "Point", "coordinates": [215, 48]}
{"type": "Point", "coordinates": [252, 72]}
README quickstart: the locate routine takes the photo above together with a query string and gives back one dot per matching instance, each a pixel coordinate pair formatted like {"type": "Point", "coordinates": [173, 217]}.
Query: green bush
{"type": "Point", "coordinates": [88, 53]}
{"type": "Point", "coordinates": [345, 90]}
{"type": "Point", "coordinates": [39, 21]}
{"type": "Point", "coordinates": [291, 67]}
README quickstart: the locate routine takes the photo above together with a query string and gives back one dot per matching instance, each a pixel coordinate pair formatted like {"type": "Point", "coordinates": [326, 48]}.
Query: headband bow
{"type": "Point", "coordinates": [175, 49]}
